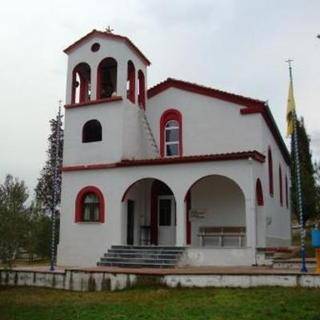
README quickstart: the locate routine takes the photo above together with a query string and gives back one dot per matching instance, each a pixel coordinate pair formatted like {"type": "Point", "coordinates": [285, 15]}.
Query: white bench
{"type": "Point", "coordinates": [221, 233]}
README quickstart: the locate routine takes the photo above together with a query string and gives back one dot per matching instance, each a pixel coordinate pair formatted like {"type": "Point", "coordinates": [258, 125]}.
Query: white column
{"type": "Point", "coordinates": [116, 219]}
{"type": "Point", "coordinates": [181, 221]}
{"type": "Point", "coordinates": [251, 219]}
{"type": "Point", "coordinates": [93, 79]}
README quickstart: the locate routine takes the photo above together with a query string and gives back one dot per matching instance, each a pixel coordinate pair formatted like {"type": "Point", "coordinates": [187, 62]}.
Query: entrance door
{"type": "Point", "coordinates": [130, 222]}
{"type": "Point", "coordinates": [167, 217]}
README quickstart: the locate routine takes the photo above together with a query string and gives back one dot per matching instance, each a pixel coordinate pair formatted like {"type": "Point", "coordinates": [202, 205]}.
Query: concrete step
{"type": "Point", "coordinates": [151, 247]}
{"type": "Point", "coordinates": [142, 256]}
{"type": "Point", "coordinates": [137, 260]}
{"type": "Point", "coordinates": [134, 251]}
{"type": "Point", "coordinates": [128, 255]}
{"type": "Point", "coordinates": [131, 264]}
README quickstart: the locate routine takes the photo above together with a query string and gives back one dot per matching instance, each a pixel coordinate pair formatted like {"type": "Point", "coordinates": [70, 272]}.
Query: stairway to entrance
{"type": "Point", "coordinates": [142, 256]}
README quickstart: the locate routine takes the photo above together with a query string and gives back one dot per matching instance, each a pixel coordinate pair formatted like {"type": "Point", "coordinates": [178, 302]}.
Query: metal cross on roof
{"type": "Point", "coordinates": [109, 29]}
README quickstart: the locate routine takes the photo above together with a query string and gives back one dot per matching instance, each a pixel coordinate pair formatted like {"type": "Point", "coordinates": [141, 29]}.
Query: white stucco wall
{"type": "Point", "coordinates": [108, 48]}
{"type": "Point", "coordinates": [222, 202]}
{"type": "Point", "coordinates": [83, 244]}
{"type": "Point", "coordinates": [278, 217]}
{"type": "Point", "coordinates": [123, 136]}
{"type": "Point", "coordinates": [210, 125]}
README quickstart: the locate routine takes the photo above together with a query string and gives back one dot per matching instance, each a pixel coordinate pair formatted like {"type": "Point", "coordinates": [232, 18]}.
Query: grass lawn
{"type": "Point", "coordinates": [161, 303]}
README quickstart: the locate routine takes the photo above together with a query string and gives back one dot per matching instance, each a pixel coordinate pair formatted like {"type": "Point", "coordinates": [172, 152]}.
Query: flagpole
{"type": "Point", "coordinates": [298, 181]}
{"type": "Point", "coordinates": [55, 192]}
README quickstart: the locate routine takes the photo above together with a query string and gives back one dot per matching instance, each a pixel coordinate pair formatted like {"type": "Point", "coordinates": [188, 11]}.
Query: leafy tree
{"type": "Point", "coordinates": [13, 195]}
{"type": "Point", "coordinates": [38, 234]}
{"type": "Point", "coordinates": [307, 174]}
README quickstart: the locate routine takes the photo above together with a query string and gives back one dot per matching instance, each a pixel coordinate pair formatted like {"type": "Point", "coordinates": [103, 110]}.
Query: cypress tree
{"type": "Point", "coordinates": [307, 174]}
{"type": "Point", "coordinates": [44, 188]}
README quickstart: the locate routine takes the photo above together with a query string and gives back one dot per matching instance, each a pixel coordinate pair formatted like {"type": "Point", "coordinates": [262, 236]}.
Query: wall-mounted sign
{"type": "Point", "coordinates": [197, 213]}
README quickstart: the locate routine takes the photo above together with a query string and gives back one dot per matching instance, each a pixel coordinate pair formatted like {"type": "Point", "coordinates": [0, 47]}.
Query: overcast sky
{"type": "Point", "coordinates": [237, 46]}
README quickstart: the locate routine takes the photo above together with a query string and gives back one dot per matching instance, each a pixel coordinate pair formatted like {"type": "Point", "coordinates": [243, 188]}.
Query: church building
{"type": "Point", "coordinates": [174, 174]}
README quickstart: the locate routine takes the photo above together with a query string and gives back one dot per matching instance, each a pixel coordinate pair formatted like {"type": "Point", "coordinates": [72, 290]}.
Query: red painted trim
{"type": "Point", "coordinates": [188, 222]}
{"type": "Point", "coordinates": [255, 155]}
{"type": "Point", "coordinates": [170, 114]}
{"type": "Point", "coordinates": [142, 90]}
{"type": "Point", "coordinates": [107, 35]}
{"type": "Point", "coordinates": [131, 77]}
{"type": "Point", "coordinates": [252, 105]}
{"type": "Point", "coordinates": [99, 75]}
{"type": "Point", "coordinates": [84, 83]}
{"type": "Point", "coordinates": [280, 186]}
{"type": "Point", "coordinates": [287, 192]}
{"type": "Point", "coordinates": [270, 171]}
{"type": "Point", "coordinates": [259, 193]}
{"type": "Point", "coordinates": [93, 102]}
{"type": "Point", "coordinates": [207, 91]}
{"type": "Point", "coordinates": [79, 203]}
{"type": "Point", "coordinates": [204, 177]}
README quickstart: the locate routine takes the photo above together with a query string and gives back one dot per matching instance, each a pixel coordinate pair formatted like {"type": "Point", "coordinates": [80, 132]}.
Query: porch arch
{"type": "Point", "coordinates": [145, 194]}
{"type": "Point", "coordinates": [214, 201]}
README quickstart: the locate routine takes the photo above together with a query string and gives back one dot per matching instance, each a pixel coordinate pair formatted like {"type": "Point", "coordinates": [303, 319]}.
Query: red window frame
{"type": "Point", "coordinates": [259, 193]}
{"type": "Point", "coordinates": [280, 186]}
{"type": "Point", "coordinates": [287, 192]}
{"type": "Point", "coordinates": [79, 203]}
{"type": "Point", "coordinates": [142, 90]}
{"type": "Point", "coordinates": [270, 171]}
{"type": "Point", "coordinates": [168, 115]}
{"type": "Point", "coordinates": [84, 83]}
{"type": "Point", "coordinates": [131, 78]}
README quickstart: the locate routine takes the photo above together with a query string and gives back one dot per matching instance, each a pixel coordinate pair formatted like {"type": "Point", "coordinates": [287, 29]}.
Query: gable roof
{"type": "Point", "coordinates": [251, 105]}
{"type": "Point", "coordinates": [108, 35]}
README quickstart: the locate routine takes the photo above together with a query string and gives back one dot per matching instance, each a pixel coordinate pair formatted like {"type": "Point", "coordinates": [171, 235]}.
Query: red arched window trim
{"type": "Point", "coordinates": [270, 170]}
{"type": "Point", "coordinates": [280, 186]}
{"type": "Point", "coordinates": [110, 66]}
{"type": "Point", "coordinates": [259, 193]}
{"type": "Point", "coordinates": [287, 192]}
{"type": "Point", "coordinates": [170, 114]}
{"type": "Point", "coordinates": [131, 78]}
{"type": "Point", "coordinates": [79, 203]}
{"type": "Point", "coordinates": [142, 90]}
{"type": "Point", "coordinates": [84, 73]}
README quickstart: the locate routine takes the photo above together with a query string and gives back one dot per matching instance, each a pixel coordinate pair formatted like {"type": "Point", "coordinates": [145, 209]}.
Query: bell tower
{"type": "Point", "coordinates": [105, 96]}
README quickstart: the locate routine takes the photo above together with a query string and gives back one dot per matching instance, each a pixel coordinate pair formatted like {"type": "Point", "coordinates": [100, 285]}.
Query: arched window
{"type": "Point", "coordinates": [270, 169]}
{"type": "Point", "coordinates": [280, 186]}
{"type": "Point", "coordinates": [107, 78]}
{"type": "Point", "coordinates": [171, 133]}
{"type": "Point", "coordinates": [131, 79]}
{"type": "Point", "coordinates": [287, 192]}
{"type": "Point", "coordinates": [90, 205]}
{"type": "Point", "coordinates": [259, 193]}
{"type": "Point", "coordinates": [142, 90]}
{"type": "Point", "coordinates": [81, 83]}
{"type": "Point", "coordinates": [92, 131]}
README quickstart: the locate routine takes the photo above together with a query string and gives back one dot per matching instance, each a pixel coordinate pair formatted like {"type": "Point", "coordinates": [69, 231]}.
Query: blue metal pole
{"type": "Point", "coordinates": [298, 182]}
{"type": "Point", "coordinates": [299, 194]}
